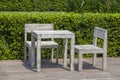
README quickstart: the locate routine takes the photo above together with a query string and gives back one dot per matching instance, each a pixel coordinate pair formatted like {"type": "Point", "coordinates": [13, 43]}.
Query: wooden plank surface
{"type": "Point", "coordinates": [19, 70]}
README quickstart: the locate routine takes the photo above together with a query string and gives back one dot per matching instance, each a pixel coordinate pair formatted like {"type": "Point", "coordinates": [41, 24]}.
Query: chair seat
{"type": "Point", "coordinates": [88, 49]}
{"type": "Point", "coordinates": [44, 44]}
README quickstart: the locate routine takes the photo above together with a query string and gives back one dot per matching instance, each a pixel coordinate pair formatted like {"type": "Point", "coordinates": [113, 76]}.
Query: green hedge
{"type": "Point", "coordinates": [107, 6]}
{"type": "Point", "coordinates": [33, 5]}
{"type": "Point", "coordinates": [12, 30]}
{"type": "Point", "coordinates": [101, 6]}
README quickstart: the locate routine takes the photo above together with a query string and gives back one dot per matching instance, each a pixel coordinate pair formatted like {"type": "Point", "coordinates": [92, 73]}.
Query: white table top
{"type": "Point", "coordinates": [50, 32]}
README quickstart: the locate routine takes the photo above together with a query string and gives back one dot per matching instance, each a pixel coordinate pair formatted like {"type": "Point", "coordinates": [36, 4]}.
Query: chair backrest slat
{"type": "Point", "coordinates": [99, 32]}
{"type": "Point", "coordinates": [37, 27]}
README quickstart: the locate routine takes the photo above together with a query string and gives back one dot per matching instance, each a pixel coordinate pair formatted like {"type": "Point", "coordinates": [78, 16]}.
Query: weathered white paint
{"type": "Point", "coordinates": [93, 48]}
{"type": "Point", "coordinates": [55, 34]}
{"type": "Point", "coordinates": [43, 44]}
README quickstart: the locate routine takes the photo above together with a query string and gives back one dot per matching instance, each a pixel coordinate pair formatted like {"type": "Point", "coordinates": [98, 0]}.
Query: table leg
{"type": "Point", "coordinates": [65, 52]}
{"type": "Point", "coordinates": [72, 54]}
{"type": "Point", "coordinates": [32, 53]}
{"type": "Point", "coordinates": [38, 55]}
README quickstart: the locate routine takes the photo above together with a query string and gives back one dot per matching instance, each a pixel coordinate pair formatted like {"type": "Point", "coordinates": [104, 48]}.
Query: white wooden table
{"type": "Point", "coordinates": [65, 34]}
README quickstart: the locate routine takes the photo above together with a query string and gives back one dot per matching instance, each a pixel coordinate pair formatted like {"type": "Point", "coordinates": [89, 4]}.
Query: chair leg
{"type": "Point", "coordinates": [94, 59]}
{"type": "Point", "coordinates": [29, 56]}
{"type": "Point", "coordinates": [57, 55]}
{"type": "Point", "coordinates": [104, 61]}
{"type": "Point", "coordinates": [25, 56]}
{"type": "Point", "coordinates": [52, 55]}
{"type": "Point", "coordinates": [80, 62]}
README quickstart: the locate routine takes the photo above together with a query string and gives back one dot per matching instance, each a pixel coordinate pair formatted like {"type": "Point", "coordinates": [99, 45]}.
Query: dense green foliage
{"type": "Point", "coordinates": [108, 6]}
{"type": "Point", "coordinates": [101, 6]}
{"type": "Point", "coordinates": [33, 5]}
{"type": "Point", "coordinates": [12, 30]}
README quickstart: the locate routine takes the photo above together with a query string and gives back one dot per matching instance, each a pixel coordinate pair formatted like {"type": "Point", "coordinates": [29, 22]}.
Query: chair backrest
{"type": "Point", "coordinates": [102, 34]}
{"type": "Point", "coordinates": [36, 27]}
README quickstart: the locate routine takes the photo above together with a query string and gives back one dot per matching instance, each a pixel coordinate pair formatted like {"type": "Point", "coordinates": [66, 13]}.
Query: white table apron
{"type": "Point", "coordinates": [51, 34]}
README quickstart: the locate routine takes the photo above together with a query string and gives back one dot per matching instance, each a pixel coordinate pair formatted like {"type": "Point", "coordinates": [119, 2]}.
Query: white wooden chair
{"type": "Point", "coordinates": [93, 48]}
{"type": "Point", "coordinates": [44, 44]}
